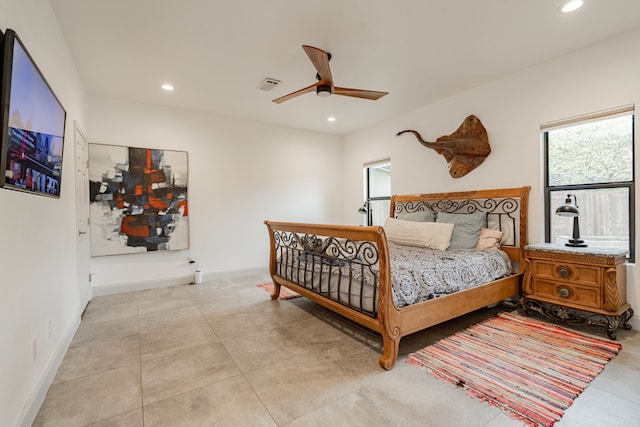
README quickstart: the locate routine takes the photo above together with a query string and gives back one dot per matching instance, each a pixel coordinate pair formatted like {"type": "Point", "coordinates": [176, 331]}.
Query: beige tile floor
{"type": "Point", "coordinates": [221, 353]}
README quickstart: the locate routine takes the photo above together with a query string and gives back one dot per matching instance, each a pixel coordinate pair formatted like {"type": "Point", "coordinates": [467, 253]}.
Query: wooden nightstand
{"type": "Point", "coordinates": [577, 285]}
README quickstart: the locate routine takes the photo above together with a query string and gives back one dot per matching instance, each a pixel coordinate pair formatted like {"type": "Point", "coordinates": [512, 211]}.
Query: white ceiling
{"type": "Point", "coordinates": [217, 52]}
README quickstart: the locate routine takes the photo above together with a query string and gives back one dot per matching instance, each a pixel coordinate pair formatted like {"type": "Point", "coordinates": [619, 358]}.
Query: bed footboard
{"type": "Point", "coordinates": [344, 268]}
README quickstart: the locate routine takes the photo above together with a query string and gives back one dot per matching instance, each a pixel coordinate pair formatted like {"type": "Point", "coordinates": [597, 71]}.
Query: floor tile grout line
{"type": "Point", "coordinates": [140, 363]}
{"type": "Point", "coordinates": [266, 408]}
{"type": "Point", "coordinates": [194, 389]}
{"type": "Point", "coordinates": [241, 373]}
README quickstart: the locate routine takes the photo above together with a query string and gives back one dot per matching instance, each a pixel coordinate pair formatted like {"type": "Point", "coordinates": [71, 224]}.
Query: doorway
{"type": "Point", "coordinates": [83, 254]}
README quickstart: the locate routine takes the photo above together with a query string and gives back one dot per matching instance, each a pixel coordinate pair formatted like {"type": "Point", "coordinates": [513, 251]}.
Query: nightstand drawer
{"type": "Point", "coordinates": [575, 273]}
{"type": "Point", "coordinates": [568, 293]}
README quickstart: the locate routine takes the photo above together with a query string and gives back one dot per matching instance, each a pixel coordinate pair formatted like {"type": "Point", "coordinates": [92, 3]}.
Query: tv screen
{"type": "Point", "coordinates": [32, 124]}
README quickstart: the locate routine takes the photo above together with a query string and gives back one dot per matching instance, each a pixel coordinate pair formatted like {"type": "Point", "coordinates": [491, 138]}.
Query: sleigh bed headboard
{"type": "Point", "coordinates": [506, 211]}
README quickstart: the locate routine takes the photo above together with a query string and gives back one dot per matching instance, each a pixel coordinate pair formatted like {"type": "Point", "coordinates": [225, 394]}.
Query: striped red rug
{"type": "Point", "coordinates": [285, 293]}
{"type": "Point", "coordinates": [531, 370]}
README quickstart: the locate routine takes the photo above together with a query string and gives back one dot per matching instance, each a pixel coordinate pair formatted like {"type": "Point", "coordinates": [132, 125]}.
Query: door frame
{"type": "Point", "coordinates": [83, 245]}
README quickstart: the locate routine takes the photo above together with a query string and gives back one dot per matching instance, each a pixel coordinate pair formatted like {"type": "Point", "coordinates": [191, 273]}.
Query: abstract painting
{"type": "Point", "coordinates": [138, 199]}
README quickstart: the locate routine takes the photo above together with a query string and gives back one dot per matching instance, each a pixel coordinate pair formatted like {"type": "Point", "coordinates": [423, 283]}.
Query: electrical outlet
{"type": "Point", "coordinates": [34, 348]}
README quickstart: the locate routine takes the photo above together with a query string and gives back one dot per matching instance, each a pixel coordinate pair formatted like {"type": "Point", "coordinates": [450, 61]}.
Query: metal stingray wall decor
{"type": "Point", "coordinates": [464, 149]}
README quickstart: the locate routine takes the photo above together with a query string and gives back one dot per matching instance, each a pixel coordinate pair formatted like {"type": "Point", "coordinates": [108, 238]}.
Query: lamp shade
{"type": "Point", "coordinates": [568, 208]}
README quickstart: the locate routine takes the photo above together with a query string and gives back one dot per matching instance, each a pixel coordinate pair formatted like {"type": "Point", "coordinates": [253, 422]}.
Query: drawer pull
{"type": "Point", "coordinates": [564, 272]}
{"type": "Point", "coordinates": [564, 292]}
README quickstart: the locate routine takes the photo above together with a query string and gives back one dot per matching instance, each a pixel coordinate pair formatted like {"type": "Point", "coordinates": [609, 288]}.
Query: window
{"type": "Point", "coordinates": [377, 190]}
{"type": "Point", "coordinates": [592, 159]}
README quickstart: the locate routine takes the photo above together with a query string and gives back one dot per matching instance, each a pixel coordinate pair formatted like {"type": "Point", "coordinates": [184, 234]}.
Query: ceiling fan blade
{"type": "Point", "coordinates": [296, 93]}
{"type": "Point", "coordinates": [320, 60]}
{"type": "Point", "coordinates": [359, 93]}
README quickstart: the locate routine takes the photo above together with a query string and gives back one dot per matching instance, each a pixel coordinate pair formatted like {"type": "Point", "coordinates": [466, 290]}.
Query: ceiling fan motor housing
{"type": "Point", "coordinates": [323, 90]}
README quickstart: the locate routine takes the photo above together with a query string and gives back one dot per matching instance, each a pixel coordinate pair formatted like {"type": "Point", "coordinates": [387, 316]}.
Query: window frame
{"type": "Point", "coordinates": [367, 190]}
{"type": "Point", "coordinates": [629, 185]}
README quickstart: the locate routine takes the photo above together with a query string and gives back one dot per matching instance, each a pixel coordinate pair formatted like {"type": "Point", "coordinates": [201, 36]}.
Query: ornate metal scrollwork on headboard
{"type": "Point", "coordinates": [502, 213]}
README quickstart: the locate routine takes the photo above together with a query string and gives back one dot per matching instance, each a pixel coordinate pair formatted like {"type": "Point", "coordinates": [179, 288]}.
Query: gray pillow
{"type": "Point", "coordinates": [421, 216]}
{"type": "Point", "coordinates": [466, 228]}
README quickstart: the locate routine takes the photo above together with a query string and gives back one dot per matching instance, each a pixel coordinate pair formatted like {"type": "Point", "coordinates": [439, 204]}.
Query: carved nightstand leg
{"type": "Point", "coordinates": [614, 322]}
{"type": "Point", "coordinates": [626, 316]}
{"type": "Point", "coordinates": [612, 325]}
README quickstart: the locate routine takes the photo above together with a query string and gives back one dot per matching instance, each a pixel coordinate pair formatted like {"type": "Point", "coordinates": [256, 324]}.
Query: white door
{"type": "Point", "coordinates": [83, 249]}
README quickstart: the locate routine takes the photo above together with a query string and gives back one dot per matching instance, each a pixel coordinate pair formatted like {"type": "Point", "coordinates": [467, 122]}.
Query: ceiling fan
{"type": "Point", "coordinates": [324, 87]}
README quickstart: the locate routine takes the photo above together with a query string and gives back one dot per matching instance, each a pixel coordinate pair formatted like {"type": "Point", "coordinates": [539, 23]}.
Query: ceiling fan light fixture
{"type": "Point", "coordinates": [323, 90]}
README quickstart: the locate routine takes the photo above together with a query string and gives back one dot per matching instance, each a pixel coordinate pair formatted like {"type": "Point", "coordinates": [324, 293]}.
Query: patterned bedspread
{"type": "Point", "coordinates": [419, 274]}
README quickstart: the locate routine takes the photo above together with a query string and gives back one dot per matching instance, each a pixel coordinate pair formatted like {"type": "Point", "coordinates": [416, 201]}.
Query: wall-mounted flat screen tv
{"type": "Point", "coordinates": [32, 124]}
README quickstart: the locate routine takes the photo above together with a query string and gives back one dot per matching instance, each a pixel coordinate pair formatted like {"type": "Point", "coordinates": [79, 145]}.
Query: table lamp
{"type": "Point", "coordinates": [571, 210]}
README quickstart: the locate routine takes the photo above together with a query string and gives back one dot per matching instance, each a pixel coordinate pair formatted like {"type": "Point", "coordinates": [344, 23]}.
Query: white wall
{"type": "Point", "coordinates": [243, 172]}
{"type": "Point", "coordinates": [593, 79]}
{"type": "Point", "coordinates": [240, 173]}
{"type": "Point", "coordinates": [37, 254]}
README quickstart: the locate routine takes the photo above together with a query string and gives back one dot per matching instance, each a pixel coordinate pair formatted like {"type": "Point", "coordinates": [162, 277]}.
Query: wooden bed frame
{"type": "Point", "coordinates": [509, 208]}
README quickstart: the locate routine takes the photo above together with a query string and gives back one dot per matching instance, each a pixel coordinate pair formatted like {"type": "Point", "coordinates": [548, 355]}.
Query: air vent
{"type": "Point", "coordinates": [268, 84]}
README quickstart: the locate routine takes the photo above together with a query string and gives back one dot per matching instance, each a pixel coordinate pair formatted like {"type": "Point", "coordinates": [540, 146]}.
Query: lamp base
{"type": "Point", "coordinates": [576, 243]}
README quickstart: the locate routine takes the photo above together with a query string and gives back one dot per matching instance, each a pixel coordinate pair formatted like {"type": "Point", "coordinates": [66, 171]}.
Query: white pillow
{"type": "Point", "coordinates": [507, 229]}
{"type": "Point", "coordinates": [432, 235]}
{"type": "Point", "coordinates": [489, 239]}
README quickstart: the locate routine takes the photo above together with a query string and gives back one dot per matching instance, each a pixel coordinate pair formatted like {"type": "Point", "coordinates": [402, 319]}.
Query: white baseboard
{"type": "Point", "coordinates": [235, 273]}
{"type": "Point", "coordinates": [31, 408]}
{"type": "Point", "coordinates": [172, 281]}
{"type": "Point", "coordinates": [140, 286]}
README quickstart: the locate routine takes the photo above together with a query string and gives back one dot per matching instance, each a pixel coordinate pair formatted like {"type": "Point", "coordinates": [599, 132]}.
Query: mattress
{"type": "Point", "coordinates": [417, 274]}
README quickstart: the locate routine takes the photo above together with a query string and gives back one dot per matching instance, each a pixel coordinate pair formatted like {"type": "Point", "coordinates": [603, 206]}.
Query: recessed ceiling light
{"type": "Point", "coordinates": [572, 5]}
{"type": "Point", "coordinates": [331, 119]}
{"type": "Point", "coordinates": [168, 87]}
